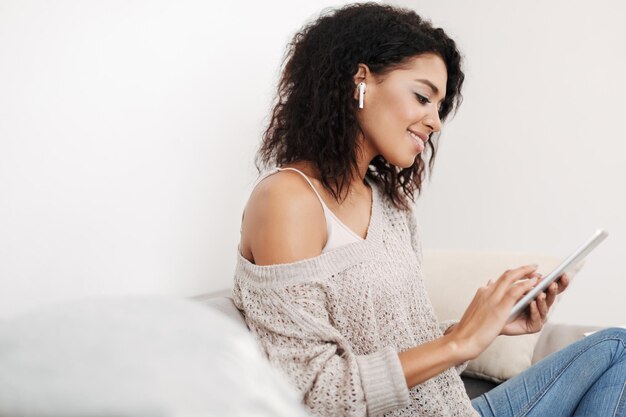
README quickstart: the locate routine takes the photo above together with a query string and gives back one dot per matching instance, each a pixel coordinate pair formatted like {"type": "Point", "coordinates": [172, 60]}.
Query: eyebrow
{"type": "Point", "coordinates": [428, 83]}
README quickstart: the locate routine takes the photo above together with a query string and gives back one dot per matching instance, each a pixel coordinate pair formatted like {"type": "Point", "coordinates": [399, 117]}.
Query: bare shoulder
{"type": "Point", "coordinates": [283, 221]}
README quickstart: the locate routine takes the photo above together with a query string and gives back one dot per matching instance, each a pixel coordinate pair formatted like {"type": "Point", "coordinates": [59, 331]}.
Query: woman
{"type": "Point", "coordinates": [328, 273]}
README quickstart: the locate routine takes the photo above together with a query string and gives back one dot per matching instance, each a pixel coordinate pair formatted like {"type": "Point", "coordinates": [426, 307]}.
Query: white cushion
{"type": "Point", "coordinates": [452, 278]}
{"type": "Point", "coordinates": [136, 356]}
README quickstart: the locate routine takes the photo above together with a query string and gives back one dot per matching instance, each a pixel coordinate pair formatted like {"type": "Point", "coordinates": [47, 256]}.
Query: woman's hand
{"type": "Point", "coordinates": [482, 322]}
{"type": "Point", "coordinates": [488, 312]}
{"type": "Point", "coordinates": [536, 314]}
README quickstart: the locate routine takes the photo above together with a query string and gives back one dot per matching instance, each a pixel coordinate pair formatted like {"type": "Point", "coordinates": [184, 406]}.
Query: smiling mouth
{"type": "Point", "coordinates": [418, 138]}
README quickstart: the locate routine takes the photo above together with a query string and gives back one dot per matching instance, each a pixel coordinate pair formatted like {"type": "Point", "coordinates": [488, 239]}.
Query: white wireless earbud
{"type": "Point", "coordinates": [361, 94]}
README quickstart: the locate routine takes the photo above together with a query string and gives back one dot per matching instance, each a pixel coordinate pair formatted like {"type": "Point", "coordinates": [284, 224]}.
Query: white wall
{"type": "Point", "coordinates": [534, 160]}
{"type": "Point", "coordinates": [127, 132]}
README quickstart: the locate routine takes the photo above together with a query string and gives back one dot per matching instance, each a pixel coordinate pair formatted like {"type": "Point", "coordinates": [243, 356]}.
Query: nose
{"type": "Point", "coordinates": [433, 121]}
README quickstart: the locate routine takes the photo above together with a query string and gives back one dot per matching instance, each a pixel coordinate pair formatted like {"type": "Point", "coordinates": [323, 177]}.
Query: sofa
{"type": "Point", "coordinates": [169, 356]}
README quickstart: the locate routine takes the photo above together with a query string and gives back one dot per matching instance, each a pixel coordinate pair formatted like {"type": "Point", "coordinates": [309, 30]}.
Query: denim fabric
{"type": "Point", "coordinates": [586, 378]}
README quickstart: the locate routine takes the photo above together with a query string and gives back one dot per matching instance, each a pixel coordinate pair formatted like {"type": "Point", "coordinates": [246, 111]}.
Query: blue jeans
{"type": "Point", "coordinates": [586, 378]}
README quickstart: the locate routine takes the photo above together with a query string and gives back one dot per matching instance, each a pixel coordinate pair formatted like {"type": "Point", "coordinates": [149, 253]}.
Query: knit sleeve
{"type": "Point", "coordinates": [446, 324]}
{"type": "Point", "coordinates": [294, 328]}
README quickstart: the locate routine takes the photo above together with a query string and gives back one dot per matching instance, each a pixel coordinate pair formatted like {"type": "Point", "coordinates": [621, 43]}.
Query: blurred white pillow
{"type": "Point", "coordinates": [136, 356]}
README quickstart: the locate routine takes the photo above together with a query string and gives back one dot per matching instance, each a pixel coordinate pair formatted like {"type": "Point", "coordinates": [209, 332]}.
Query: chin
{"type": "Point", "coordinates": [403, 161]}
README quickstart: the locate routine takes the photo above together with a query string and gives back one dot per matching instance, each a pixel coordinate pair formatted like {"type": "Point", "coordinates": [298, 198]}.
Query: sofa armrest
{"type": "Point", "coordinates": [223, 302]}
{"type": "Point", "coordinates": [556, 336]}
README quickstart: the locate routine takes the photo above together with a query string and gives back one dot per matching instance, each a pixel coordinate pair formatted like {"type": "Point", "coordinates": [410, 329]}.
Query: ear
{"type": "Point", "coordinates": [362, 74]}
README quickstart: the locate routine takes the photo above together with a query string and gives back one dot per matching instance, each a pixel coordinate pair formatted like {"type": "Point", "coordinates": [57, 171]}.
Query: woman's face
{"type": "Point", "coordinates": [401, 111]}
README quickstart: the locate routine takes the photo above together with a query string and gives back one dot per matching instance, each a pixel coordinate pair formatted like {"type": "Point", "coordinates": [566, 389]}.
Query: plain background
{"type": "Point", "coordinates": [128, 129]}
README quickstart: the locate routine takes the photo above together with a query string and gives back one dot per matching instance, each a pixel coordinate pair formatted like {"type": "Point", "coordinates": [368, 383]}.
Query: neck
{"type": "Point", "coordinates": [364, 157]}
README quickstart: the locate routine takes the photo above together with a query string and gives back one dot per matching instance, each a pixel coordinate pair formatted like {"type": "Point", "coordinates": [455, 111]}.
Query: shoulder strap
{"type": "Point", "coordinates": [265, 175]}
{"type": "Point", "coordinates": [310, 183]}
{"type": "Point", "coordinates": [276, 169]}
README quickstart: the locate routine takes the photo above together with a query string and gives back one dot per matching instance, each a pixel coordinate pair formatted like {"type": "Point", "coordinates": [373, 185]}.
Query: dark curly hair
{"type": "Point", "coordinates": [314, 115]}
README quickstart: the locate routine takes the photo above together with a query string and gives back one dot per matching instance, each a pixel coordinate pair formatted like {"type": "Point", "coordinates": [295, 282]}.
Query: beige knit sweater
{"type": "Point", "coordinates": [334, 323]}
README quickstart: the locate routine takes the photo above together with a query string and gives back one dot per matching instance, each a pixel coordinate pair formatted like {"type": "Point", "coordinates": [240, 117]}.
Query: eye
{"type": "Point", "coordinates": [421, 98]}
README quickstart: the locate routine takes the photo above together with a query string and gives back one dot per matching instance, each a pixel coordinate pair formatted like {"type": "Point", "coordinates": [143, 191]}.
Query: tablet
{"type": "Point", "coordinates": [569, 262]}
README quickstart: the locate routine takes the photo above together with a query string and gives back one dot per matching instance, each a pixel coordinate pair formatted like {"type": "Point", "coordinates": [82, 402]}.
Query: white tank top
{"type": "Point", "coordinates": [338, 233]}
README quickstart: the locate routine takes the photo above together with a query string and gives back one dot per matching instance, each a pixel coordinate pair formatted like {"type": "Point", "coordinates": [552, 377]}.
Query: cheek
{"type": "Point", "coordinates": [405, 111]}
{"type": "Point", "coordinates": [411, 113]}
{"type": "Point", "coordinates": [398, 112]}
{"type": "Point", "coordinates": [389, 115]}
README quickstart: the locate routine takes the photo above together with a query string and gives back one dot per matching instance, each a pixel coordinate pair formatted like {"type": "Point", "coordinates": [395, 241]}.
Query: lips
{"type": "Point", "coordinates": [420, 135]}
{"type": "Point", "coordinates": [417, 141]}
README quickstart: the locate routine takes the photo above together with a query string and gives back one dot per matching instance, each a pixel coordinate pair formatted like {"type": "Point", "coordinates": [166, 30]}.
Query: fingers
{"type": "Point", "coordinates": [517, 291]}
{"type": "Point", "coordinates": [535, 315]}
{"type": "Point", "coordinates": [511, 276]}
{"type": "Point", "coordinates": [542, 306]}
{"type": "Point", "coordinates": [555, 288]}
{"type": "Point", "coordinates": [550, 293]}
{"type": "Point", "coordinates": [563, 282]}
{"type": "Point", "coordinates": [535, 319]}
